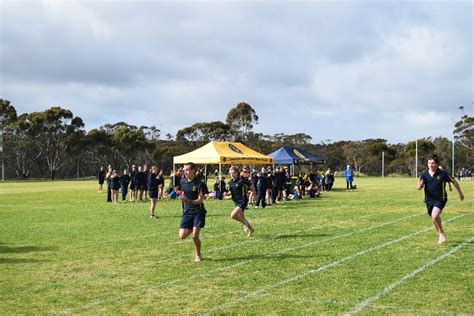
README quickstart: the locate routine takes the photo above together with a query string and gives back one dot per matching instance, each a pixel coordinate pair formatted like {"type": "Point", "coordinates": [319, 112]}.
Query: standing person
{"type": "Point", "coordinates": [434, 182]}
{"type": "Point", "coordinates": [108, 178]}
{"type": "Point", "coordinates": [101, 176]}
{"type": "Point", "coordinates": [124, 182]}
{"type": "Point", "coordinates": [329, 179]}
{"type": "Point", "coordinates": [161, 183]}
{"type": "Point", "coordinates": [349, 175]}
{"type": "Point", "coordinates": [287, 185]}
{"type": "Point", "coordinates": [146, 172]}
{"type": "Point", "coordinates": [152, 187]}
{"type": "Point", "coordinates": [141, 183]}
{"type": "Point", "coordinates": [219, 188]}
{"type": "Point", "coordinates": [239, 187]}
{"type": "Point", "coordinates": [194, 212]}
{"type": "Point", "coordinates": [115, 181]}
{"type": "Point", "coordinates": [280, 180]}
{"type": "Point", "coordinates": [261, 188]}
{"type": "Point", "coordinates": [270, 185]}
{"type": "Point", "coordinates": [133, 184]}
{"type": "Point", "coordinates": [254, 180]}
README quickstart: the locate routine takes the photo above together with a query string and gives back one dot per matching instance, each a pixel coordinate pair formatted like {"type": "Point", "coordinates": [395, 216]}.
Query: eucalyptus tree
{"type": "Point", "coordinates": [241, 119]}
{"type": "Point", "coordinates": [201, 133]}
{"type": "Point", "coordinates": [55, 132]}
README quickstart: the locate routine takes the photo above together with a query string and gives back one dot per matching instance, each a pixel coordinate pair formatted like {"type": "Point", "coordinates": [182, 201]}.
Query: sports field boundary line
{"type": "Point", "coordinates": [321, 268]}
{"type": "Point", "coordinates": [218, 270]}
{"type": "Point", "coordinates": [395, 284]}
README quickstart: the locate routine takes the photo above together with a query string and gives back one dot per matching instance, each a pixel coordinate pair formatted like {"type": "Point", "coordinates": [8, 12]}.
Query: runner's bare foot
{"type": "Point", "coordinates": [442, 239]}
{"type": "Point", "coordinates": [198, 259]}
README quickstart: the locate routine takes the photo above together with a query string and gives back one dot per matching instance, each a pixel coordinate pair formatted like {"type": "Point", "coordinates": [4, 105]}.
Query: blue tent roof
{"type": "Point", "coordinates": [294, 155]}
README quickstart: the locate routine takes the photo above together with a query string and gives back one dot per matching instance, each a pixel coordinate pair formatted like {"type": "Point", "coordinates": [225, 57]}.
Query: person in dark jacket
{"type": "Point", "coordinates": [115, 181]}
{"type": "Point", "coordinates": [261, 188]}
{"type": "Point", "coordinates": [108, 178]}
{"type": "Point", "coordinates": [133, 184]}
{"type": "Point", "coordinates": [124, 182]}
{"type": "Point", "coordinates": [152, 186]}
{"type": "Point", "coordinates": [329, 179]}
{"type": "Point", "coordinates": [161, 183]}
{"type": "Point", "coordinates": [220, 188]}
{"type": "Point", "coordinates": [101, 177]}
{"type": "Point", "coordinates": [141, 183]}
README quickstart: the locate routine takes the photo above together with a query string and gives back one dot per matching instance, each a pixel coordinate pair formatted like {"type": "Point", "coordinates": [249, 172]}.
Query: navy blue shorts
{"type": "Point", "coordinates": [435, 203]}
{"type": "Point", "coordinates": [133, 186]}
{"type": "Point", "coordinates": [193, 220]}
{"type": "Point", "coordinates": [242, 204]}
{"type": "Point", "coordinates": [153, 194]}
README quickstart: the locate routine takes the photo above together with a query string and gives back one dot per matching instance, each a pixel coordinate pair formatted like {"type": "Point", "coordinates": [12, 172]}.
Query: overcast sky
{"type": "Point", "coordinates": [337, 70]}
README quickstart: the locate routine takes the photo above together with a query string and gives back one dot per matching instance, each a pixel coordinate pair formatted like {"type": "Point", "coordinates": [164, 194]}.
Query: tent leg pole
{"type": "Point", "coordinates": [220, 187]}
{"type": "Point", "coordinates": [174, 173]}
{"type": "Point", "coordinates": [205, 173]}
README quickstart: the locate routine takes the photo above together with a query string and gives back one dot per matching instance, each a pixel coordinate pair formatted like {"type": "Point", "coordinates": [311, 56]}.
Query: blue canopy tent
{"type": "Point", "coordinates": [287, 155]}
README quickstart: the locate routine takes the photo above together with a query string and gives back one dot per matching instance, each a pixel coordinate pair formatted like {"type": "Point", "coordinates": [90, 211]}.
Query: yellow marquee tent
{"type": "Point", "coordinates": [224, 153]}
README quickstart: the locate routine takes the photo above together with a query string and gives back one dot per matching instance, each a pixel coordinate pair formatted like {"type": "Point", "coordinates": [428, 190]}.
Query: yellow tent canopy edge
{"type": "Point", "coordinates": [224, 153]}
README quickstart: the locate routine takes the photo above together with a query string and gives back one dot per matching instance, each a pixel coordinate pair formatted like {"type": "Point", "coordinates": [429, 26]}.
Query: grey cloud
{"type": "Point", "coordinates": [305, 66]}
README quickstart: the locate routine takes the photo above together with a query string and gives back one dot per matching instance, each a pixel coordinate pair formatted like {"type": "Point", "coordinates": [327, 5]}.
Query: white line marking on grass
{"type": "Point", "coordinates": [232, 245]}
{"type": "Point", "coordinates": [215, 271]}
{"type": "Point", "coordinates": [392, 286]}
{"type": "Point", "coordinates": [321, 268]}
{"type": "Point", "coordinates": [416, 311]}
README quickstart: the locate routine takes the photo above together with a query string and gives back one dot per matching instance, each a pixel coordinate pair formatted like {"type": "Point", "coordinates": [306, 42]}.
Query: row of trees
{"type": "Point", "coordinates": [53, 143]}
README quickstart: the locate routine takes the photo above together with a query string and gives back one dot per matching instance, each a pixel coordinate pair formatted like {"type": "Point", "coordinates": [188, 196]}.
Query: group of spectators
{"type": "Point", "coordinates": [270, 186]}
{"type": "Point", "coordinates": [465, 174]}
{"type": "Point", "coordinates": [273, 186]}
{"type": "Point", "coordinates": [140, 181]}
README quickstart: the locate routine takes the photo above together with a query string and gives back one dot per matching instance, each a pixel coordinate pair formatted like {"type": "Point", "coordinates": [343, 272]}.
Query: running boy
{"type": "Point", "coordinates": [239, 187]}
{"type": "Point", "coordinates": [434, 182]}
{"type": "Point", "coordinates": [194, 213]}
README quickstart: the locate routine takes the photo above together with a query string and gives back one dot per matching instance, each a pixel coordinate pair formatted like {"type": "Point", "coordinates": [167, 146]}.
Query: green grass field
{"type": "Point", "coordinates": [63, 249]}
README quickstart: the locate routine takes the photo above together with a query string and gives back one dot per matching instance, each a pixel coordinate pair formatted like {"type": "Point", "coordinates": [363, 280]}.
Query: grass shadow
{"type": "Point", "coordinates": [459, 242]}
{"type": "Point", "coordinates": [24, 249]}
{"type": "Point", "coordinates": [15, 261]}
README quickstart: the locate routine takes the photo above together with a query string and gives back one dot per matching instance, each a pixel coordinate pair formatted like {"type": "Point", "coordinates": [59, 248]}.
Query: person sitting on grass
{"type": "Point", "coordinates": [239, 187]}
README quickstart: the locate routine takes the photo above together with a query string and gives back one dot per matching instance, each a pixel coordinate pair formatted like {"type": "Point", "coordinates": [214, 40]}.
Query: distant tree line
{"type": "Point", "coordinates": [54, 144]}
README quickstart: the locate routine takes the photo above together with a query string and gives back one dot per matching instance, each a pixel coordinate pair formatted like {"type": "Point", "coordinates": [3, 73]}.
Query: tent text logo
{"type": "Point", "coordinates": [235, 149]}
{"type": "Point", "coordinates": [299, 154]}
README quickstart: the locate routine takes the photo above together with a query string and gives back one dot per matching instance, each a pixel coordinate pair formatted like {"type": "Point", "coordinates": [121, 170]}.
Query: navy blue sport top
{"type": "Point", "coordinates": [152, 182]}
{"type": "Point", "coordinates": [435, 186]}
{"type": "Point", "coordinates": [239, 189]}
{"type": "Point", "coordinates": [192, 190]}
